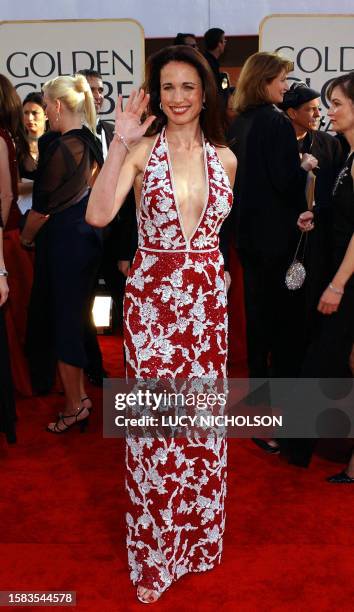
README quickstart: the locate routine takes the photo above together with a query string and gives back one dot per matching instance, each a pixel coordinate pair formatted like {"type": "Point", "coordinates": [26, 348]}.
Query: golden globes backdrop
{"type": "Point", "coordinates": [321, 46]}
{"type": "Point", "coordinates": [32, 52]}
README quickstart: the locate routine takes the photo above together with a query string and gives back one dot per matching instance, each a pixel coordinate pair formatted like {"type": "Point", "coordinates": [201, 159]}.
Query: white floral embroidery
{"type": "Point", "coordinates": [176, 327]}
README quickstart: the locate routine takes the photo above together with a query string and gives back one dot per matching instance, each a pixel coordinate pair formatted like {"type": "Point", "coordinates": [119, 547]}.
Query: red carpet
{"type": "Point", "coordinates": [289, 542]}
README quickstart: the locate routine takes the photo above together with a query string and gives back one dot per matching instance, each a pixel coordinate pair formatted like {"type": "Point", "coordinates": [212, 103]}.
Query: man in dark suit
{"type": "Point", "coordinates": [215, 43]}
{"type": "Point", "coordinates": [119, 238]}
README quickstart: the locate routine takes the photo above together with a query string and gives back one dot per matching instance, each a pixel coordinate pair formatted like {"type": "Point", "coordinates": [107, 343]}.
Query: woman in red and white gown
{"type": "Point", "coordinates": [175, 305]}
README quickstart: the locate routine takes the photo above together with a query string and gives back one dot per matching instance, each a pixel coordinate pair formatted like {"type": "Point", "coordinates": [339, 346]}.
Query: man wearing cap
{"type": "Point", "coordinates": [302, 106]}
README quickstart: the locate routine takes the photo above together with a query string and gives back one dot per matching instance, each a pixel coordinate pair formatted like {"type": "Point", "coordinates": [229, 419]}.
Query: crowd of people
{"type": "Point", "coordinates": [68, 187]}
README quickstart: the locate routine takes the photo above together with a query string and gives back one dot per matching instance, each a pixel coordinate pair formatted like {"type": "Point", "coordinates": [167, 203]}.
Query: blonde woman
{"type": "Point", "coordinates": [60, 197]}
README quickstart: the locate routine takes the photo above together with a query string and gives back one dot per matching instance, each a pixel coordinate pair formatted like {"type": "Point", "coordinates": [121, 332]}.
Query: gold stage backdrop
{"type": "Point", "coordinates": [321, 46]}
{"type": "Point", "coordinates": [32, 52]}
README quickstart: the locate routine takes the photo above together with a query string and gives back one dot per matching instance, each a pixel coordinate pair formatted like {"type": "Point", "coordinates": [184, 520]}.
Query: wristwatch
{"type": "Point", "coordinates": [3, 272]}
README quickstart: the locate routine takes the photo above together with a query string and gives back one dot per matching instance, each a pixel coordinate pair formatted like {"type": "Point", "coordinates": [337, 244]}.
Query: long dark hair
{"type": "Point", "coordinates": [210, 116]}
{"type": "Point", "coordinates": [345, 83]}
{"type": "Point", "coordinates": [11, 117]}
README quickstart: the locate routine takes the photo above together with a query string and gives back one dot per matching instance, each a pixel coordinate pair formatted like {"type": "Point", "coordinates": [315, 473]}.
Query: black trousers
{"type": "Point", "coordinates": [274, 317]}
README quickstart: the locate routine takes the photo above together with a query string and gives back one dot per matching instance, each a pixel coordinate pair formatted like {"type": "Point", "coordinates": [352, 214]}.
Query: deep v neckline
{"type": "Point", "coordinates": [173, 188]}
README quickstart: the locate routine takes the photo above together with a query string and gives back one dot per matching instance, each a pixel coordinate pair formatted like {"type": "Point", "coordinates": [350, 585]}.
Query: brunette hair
{"type": "Point", "coordinates": [345, 83]}
{"type": "Point", "coordinates": [34, 97]}
{"type": "Point", "coordinates": [11, 117]}
{"type": "Point", "coordinates": [259, 70]}
{"type": "Point", "coordinates": [75, 93]}
{"type": "Point", "coordinates": [210, 116]}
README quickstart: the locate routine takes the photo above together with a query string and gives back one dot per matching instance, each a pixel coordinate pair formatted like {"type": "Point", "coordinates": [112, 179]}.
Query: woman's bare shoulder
{"type": "Point", "coordinates": [226, 155]}
{"type": "Point", "coordinates": [140, 152]}
{"type": "Point", "coordinates": [229, 161]}
{"type": "Point", "coordinates": [3, 144]}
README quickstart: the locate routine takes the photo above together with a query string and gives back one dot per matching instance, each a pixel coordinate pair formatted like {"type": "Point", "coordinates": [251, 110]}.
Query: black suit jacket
{"type": "Point", "coordinates": [121, 236]}
{"type": "Point", "coordinates": [328, 151]}
{"type": "Point", "coordinates": [108, 129]}
{"type": "Point", "coordinates": [269, 192]}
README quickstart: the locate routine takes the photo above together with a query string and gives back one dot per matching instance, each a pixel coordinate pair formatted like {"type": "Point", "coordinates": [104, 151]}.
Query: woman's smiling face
{"type": "Point", "coordinates": [181, 92]}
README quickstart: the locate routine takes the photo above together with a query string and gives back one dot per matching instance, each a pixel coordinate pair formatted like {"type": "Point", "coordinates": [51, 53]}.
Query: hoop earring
{"type": "Point", "coordinates": [160, 106]}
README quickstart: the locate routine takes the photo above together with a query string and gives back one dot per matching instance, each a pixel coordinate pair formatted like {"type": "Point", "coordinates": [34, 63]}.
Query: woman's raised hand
{"type": "Point", "coordinates": [128, 125]}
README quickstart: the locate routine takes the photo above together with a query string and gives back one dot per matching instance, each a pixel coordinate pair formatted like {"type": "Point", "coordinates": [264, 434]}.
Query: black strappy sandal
{"type": "Point", "coordinates": [82, 423]}
{"type": "Point", "coordinates": [88, 408]}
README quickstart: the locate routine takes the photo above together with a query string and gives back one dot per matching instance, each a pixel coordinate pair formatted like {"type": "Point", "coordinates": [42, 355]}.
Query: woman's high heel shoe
{"type": "Point", "coordinates": [86, 402]}
{"type": "Point", "coordinates": [264, 445]}
{"type": "Point", "coordinates": [61, 425]}
{"type": "Point", "coordinates": [341, 478]}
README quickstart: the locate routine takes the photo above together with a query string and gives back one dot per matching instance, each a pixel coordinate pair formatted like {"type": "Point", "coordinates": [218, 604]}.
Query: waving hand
{"type": "Point", "coordinates": [128, 126]}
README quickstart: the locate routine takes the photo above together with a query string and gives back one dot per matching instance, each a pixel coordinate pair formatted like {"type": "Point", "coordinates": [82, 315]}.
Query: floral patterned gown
{"type": "Point", "coordinates": [176, 327]}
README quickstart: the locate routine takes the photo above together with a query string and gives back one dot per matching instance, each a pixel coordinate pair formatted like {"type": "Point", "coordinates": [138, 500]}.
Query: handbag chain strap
{"type": "Point", "coordinates": [298, 247]}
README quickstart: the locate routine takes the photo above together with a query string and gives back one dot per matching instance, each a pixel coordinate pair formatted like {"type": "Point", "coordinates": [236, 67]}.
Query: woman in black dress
{"type": "Point", "coordinates": [64, 175]}
{"type": "Point", "coordinates": [269, 196]}
{"type": "Point", "coordinates": [329, 355]}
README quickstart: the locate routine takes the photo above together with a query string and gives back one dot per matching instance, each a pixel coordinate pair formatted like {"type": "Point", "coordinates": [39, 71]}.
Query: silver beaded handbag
{"type": "Point", "coordinates": [296, 273]}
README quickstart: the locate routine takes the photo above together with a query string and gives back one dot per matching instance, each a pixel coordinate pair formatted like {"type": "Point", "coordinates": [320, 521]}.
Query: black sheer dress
{"type": "Point", "coordinates": [328, 355]}
{"type": "Point", "coordinates": [70, 249]}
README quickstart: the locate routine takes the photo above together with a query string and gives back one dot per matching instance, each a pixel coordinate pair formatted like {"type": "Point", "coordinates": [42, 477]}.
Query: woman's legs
{"type": "Point", "coordinates": [71, 377]}
{"type": "Point", "coordinates": [74, 410]}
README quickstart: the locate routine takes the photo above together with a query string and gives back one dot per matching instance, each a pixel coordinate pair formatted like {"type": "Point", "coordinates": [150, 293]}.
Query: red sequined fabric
{"type": "Point", "coordinates": [176, 327]}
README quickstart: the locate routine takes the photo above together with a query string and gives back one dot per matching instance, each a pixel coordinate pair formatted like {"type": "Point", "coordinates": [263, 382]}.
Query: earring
{"type": "Point", "coordinates": [203, 106]}
{"type": "Point", "coordinates": [160, 106]}
{"type": "Point", "coordinates": [57, 117]}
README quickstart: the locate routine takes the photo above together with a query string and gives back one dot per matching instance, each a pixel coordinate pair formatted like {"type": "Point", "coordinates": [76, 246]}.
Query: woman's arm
{"type": "Point", "coordinates": [332, 296]}
{"type": "Point", "coordinates": [6, 195]}
{"type": "Point", "coordinates": [109, 193]}
{"type": "Point", "coordinates": [4, 290]}
{"type": "Point", "coordinates": [25, 188]}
